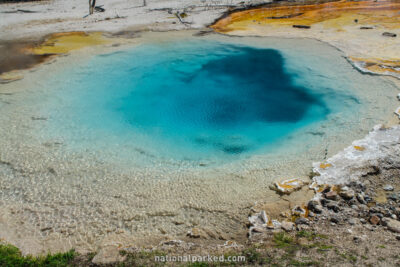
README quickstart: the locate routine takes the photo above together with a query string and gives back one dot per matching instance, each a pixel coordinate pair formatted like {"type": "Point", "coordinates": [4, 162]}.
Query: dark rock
{"type": "Point", "coordinates": [361, 199]}
{"type": "Point", "coordinates": [367, 198]}
{"type": "Point", "coordinates": [394, 197]}
{"type": "Point", "coordinates": [352, 202]}
{"type": "Point", "coordinates": [325, 202]}
{"type": "Point", "coordinates": [398, 237]}
{"type": "Point", "coordinates": [335, 219]}
{"type": "Point", "coordinates": [334, 207]}
{"type": "Point", "coordinates": [358, 239]}
{"type": "Point", "coordinates": [302, 26]}
{"type": "Point", "coordinates": [286, 16]}
{"type": "Point", "coordinates": [389, 34]}
{"type": "Point", "coordinates": [366, 28]}
{"type": "Point", "coordinates": [314, 206]}
{"type": "Point", "coordinates": [374, 210]}
{"type": "Point", "coordinates": [326, 190]}
{"type": "Point", "coordinates": [302, 220]}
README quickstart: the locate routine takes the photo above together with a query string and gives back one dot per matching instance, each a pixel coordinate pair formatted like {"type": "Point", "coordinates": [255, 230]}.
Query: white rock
{"type": "Point", "coordinates": [388, 188]}
{"type": "Point", "coordinates": [288, 186]}
{"type": "Point", "coordinates": [378, 148]}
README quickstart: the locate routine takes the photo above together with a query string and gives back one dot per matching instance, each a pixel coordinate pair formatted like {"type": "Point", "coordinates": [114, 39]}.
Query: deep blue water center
{"type": "Point", "coordinates": [197, 99]}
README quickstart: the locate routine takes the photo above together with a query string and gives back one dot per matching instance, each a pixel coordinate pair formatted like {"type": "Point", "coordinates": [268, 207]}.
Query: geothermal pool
{"type": "Point", "coordinates": [174, 131]}
{"type": "Point", "coordinates": [192, 100]}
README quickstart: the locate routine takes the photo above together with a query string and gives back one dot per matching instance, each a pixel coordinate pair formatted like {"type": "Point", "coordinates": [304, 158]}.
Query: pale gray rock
{"type": "Point", "coordinates": [353, 221]}
{"type": "Point", "coordinates": [392, 225]}
{"type": "Point", "coordinates": [108, 255]}
{"type": "Point", "coordinates": [287, 226]}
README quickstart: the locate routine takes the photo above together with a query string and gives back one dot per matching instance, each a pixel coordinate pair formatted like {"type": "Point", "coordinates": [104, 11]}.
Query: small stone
{"type": "Point", "coordinates": [302, 220]}
{"type": "Point", "coordinates": [388, 187]}
{"type": "Point", "coordinates": [374, 220]}
{"type": "Point", "coordinates": [347, 194]}
{"type": "Point", "coordinates": [334, 207]}
{"type": "Point", "coordinates": [367, 198]}
{"type": "Point", "coordinates": [302, 26]}
{"type": "Point", "coordinates": [257, 229]}
{"type": "Point", "coordinates": [353, 221]}
{"type": "Point", "coordinates": [335, 219]}
{"type": "Point", "coordinates": [363, 221]}
{"type": "Point", "coordinates": [314, 206]}
{"type": "Point", "coordinates": [389, 34]}
{"type": "Point", "coordinates": [361, 199]}
{"type": "Point", "coordinates": [332, 195]}
{"type": "Point", "coordinates": [352, 201]}
{"type": "Point", "coordinates": [369, 227]}
{"type": "Point", "coordinates": [194, 233]}
{"type": "Point", "coordinates": [287, 226]}
{"type": "Point", "coordinates": [358, 239]}
{"type": "Point", "coordinates": [398, 237]}
{"type": "Point", "coordinates": [325, 202]}
{"type": "Point", "coordinates": [394, 197]}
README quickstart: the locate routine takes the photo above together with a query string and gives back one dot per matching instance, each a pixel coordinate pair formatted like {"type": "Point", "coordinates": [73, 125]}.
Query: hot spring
{"type": "Point", "coordinates": [194, 101]}
{"type": "Point", "coordinates": [197, 100]}
{"type": "Point", "coordinates": [170, 130]}
{"type": "Point", "coordinates": [205, 101]}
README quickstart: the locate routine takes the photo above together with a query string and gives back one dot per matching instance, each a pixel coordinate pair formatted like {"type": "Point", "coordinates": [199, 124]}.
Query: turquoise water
{"type": "Point", "coordinates": [193, 100]}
